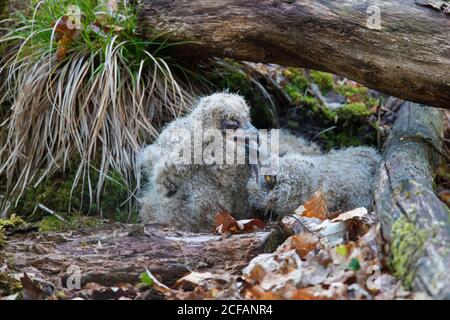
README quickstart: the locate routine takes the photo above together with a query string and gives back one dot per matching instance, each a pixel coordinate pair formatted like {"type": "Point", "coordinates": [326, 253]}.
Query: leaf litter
{"type": "Point", "coordinates": [326, 256]}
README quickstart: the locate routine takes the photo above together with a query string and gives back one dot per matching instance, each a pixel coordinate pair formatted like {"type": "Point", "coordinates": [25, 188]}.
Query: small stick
{"type": "Point", "coordinates": [53, 213]}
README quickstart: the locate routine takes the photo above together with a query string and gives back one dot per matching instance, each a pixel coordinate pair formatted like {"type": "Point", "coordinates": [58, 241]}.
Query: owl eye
{"type": "Point", "coordinates": [229, 124]}
{"type": "Point", "coordinates": [270, 181]}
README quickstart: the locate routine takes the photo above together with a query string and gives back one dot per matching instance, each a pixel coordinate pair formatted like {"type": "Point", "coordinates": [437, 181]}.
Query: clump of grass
{"type": "Point", "coordinates": [81, 83]}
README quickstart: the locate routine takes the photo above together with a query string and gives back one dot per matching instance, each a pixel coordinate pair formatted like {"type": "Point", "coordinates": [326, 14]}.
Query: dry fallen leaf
{"type": "Point", "coordinates": [358, 213]}
{"type": "Point", "coordinates": [65, 34]}
{"type": "Point", "coordinates": [302, 243]}
{"type": "Point", "coordinates": [315, 207]}
{"type": "Point", "coordinates": [305, 294]}
{"type": "Point", "coordinates": [226, 224]}
{"type": "Point", "coordinates": [30, 291]}
{"type": "Point", "coordinates": [250, 225]}
{"type": "Point", "coordinates": [444, 195]}
{"type": "Point", "coordinates": [358, 222]}
{"type": "Point", "coordinates": [274, 271]}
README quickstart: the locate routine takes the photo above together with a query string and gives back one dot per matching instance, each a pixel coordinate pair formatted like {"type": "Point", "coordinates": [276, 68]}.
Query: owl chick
{"type": "Point", "coordinates": [188, 195]}
{"type": "Point", "coordinates": [290, 143]}
{"type": "Point", "coordinates": [345, 177]}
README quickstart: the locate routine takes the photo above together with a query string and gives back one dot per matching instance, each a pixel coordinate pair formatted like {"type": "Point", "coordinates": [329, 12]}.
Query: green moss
{"type": "Point", "coordinates": [357, 94]}
{"type": "Point", "coordinates": [2, 237]}
{"type": "Point", "coordinates": [50, 223]}
{"type": "Point", "coordinates": [407, 245]}
{"type": "Point", "coordinates": [341, 139]}
{"type": "Point", "coordinates": [353, 112]}
{"type": "Point", "coordinates": [354, 127]}
{"type": "Point", "coordinates": [296, 79]}
{"type": "Point", "coordinates": [330, 116]}
{"type": "Point", "coordinates": [295, 87]}
{"type": "Point", "coordinates": [12, 222]}
{"type": "Point", "coordinates": [294, 93]}
{"type": "Point", "coordinates": [8, 285]}
{"type": "Point", "coordinates": [72, 221]}
{"type": "Point", "coordinates": [349, 91]}
{"type": "Point", "coordinates": [56, 194]}
{"type": "Point", "coordinates": [310, 102]}
{"type": "Point", "coordinates": [323, 80]}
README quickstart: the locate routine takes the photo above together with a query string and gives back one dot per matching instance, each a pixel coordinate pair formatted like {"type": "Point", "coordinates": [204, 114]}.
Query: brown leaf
{"type": "Point", "coordinates": [305, 294]}
{"type": "Point", "coordinates": [304, 243]}
{"type": "Point", "coordinates": [65, 27]}
{"type": "Point", "coordinates": [62, 47]}
{"type": "Point", "coordinates": [30, 291]}
{"type": "Point", "coordinates": [96, 291]}
{"type": "Point", "coordinates": [226, 224]}
{"type": "Point", "coordinates": [444, 195]}
{"type": "Point", "coordinates": [65, 34]}
{"type": "Point", "coordinates": [256, 274]}
{"type": "Point", "coordinates": [256, 292]}
{"type": "Point", "coordinates": [358, 222]}
{"type": "Point", "coordinates": [251, 224]}
{"type": "Point", "coordinates": [315, 207]}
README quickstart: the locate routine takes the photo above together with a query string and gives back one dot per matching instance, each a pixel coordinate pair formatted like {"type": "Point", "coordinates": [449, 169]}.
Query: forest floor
{"type": "Point", "coordinates": [311, 254]}
{"type": "Point", "coordinates": [340, 256]}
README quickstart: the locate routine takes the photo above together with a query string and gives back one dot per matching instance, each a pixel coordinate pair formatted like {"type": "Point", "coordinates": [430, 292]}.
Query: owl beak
{"type": "Point", "coordinates": [252, 147]}
{"type": "Point", "coordinates": [250, 136]}
{"type": "Point", "coordinates": [250, 133]}
{"type": "Point", "coordinates": [255, 169]}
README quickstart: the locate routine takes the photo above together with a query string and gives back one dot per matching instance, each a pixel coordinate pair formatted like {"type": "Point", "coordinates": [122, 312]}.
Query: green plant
{"type": "Point", "coordinates": [323, 80]}
{"type": "Point", "coordinates": [58, 194]}
{"type": "Point", "coordinates": [12, 222]}
{"type": "Point", "coordinates": [296, 84]}
{"type": "Point", "coordinates": [82, 84]}
{"type": "Point", "coordinates": [145, 278]}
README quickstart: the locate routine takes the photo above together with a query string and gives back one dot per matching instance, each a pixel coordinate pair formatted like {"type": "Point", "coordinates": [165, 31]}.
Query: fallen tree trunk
{"type": "Point", "coordinates": [116, 254]}
{"type": "Point", "coordinates": [413, 219]}
{"type": "Point", "coordinates": [408, 56]}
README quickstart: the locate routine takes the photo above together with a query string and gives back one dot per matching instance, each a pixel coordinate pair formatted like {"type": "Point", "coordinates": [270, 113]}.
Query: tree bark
{"type": "Point", "coordinates": [115, 254]}
{"type": "Point", "coordinates": [413, 219]}
{"type": "Point", "coordinates": [409, 57]}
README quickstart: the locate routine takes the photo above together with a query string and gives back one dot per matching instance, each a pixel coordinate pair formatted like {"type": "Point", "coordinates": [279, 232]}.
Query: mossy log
{"type": "Point", "coordinates": [406, 55]}
{"type": "Point", "coordinates": [119, 253]}
{"type": "Point", "coordinates": [413, 219]}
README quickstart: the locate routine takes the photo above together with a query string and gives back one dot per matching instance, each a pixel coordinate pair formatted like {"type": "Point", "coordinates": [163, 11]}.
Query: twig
{"type": "Point", "coordinates": [53, 213]}
{"type": "Point", "coordinates": [301, 223]}
{"type": "Point", "coordinates": [323, 131]}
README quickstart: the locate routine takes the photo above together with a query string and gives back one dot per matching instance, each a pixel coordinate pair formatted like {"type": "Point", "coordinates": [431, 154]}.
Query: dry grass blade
{"type": "Point", "coordinates": [100, 104]}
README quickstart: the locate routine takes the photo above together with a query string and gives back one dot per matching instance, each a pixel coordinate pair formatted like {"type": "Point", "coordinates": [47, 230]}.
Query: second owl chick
{"type": "Point", "coordinates": [345, 177]}
{"type": "Point", "coordinates": [290, 143]}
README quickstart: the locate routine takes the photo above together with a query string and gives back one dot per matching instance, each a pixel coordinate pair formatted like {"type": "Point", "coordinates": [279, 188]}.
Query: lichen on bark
{"type": "Point", "coordinates": [407, 246]}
